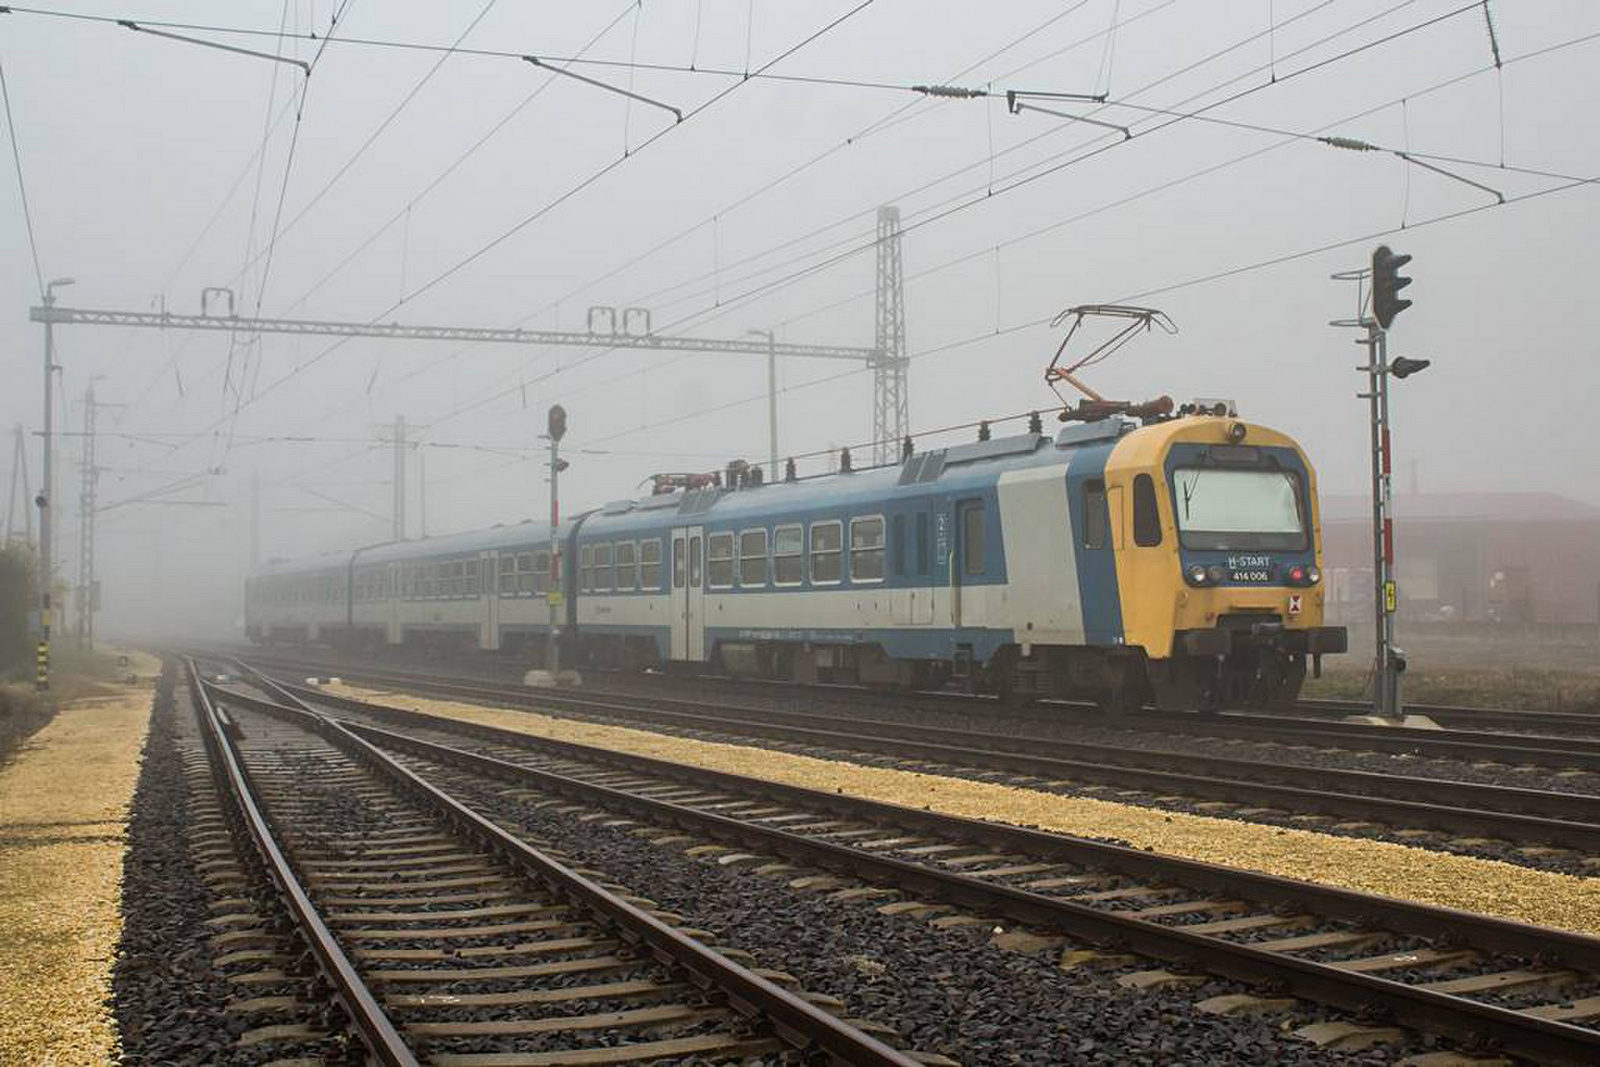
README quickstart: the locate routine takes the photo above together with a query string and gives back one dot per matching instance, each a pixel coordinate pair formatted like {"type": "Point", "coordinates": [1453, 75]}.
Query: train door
{"type": "Point", "coordinates": [491, 563]}
{"type": "Point", "coordinates": [967, 564]}
{"type": "Point", "coordinates": [688, 577]}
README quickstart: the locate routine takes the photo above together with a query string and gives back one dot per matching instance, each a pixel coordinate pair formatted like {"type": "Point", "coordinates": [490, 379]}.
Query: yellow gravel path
{"type": "Point", "coordinates": [1485, 886]}
{"type": "Point", "coordinates": [63, 806]}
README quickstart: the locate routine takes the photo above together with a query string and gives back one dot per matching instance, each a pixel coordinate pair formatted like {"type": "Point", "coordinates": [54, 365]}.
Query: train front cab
{"type": "Point", "coordinates": [1219, 564]}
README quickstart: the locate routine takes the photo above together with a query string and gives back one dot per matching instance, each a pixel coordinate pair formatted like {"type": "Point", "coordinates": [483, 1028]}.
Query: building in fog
{"type": "Point", "coordinates": [1470, 557]}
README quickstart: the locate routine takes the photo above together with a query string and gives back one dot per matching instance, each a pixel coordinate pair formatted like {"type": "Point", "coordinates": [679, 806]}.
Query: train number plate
{"type": "Point", "coordinates": [1250, 568]}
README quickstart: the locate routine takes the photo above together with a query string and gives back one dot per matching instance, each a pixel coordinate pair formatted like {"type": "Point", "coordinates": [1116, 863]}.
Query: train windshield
{"type": "Point", "coordinates": [1223, 509]}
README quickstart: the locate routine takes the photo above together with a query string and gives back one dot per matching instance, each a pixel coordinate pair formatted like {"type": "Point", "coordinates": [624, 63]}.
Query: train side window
{"type": "Point", "coordinates": [788, 555]}
{"type": "Point", "coordinates": [508, 575]}
{"type": "Point", "coordinates": [897, 544]}
{"type": "Point", "coordinates": [866, 549]}
{"type": "Point", "coordinates": [650, 564]}
{"type": "Point", "coordinates": [719, 561]}
{"type": "Point", "coordinates": [541, 573]}
{"type": "Point", "coordinates": [680, 546]}
{"type": "Point", "coordinates": [1146, 515]}
{"type": "Point", "coordinates": [603, 574]}
{"type": "Point", "coordinates": [627, 575]}
{"type": "Point", "coordinates": [753, 558]}
{"type": "Point", "coordinates": [694, 562]}
{"type": "Point", "coordinates": [922, 542]}
{"type": "Point", "coordinates": [972, 549]}
{"type": "Point", "coordinates": [586, 569]}
{"type": "Point", "coordinates": [827, 552]}
{"type": "Point", "coordinates": [1096, 521]}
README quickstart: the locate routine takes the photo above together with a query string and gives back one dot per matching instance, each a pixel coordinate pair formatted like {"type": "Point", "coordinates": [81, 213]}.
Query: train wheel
{"type": "Point", "coordinates": [1124, 689]}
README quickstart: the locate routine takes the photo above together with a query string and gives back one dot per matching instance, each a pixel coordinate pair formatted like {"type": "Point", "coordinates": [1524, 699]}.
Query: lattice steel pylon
{"type": "Point", "coordinates": [891, 415]}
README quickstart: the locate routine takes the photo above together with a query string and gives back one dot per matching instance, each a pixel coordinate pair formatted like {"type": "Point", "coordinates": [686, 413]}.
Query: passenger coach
{"type": "Point", "coordinates": [1175, 562]}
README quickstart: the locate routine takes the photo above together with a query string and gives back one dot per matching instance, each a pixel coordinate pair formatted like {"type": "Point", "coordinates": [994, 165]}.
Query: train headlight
{"type": "Point", "coordinates": [1196, 575]}
{"type": "Point", "coordinates": [1215, 573]}
{"type": "Point", "coordinates": [1313, 576]}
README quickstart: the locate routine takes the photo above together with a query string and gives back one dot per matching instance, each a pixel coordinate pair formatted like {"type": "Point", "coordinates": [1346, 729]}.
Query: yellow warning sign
{"type": "Point", "coordinates": [556, 598]}
{"type": "Point", "coordinates": [1390, 597]}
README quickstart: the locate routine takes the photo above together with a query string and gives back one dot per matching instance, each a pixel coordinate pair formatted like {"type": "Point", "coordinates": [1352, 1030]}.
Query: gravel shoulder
{"type": "Point", "coordinates": [63, 816]}
{"type": "Point", "coordinates": [1467, 883]}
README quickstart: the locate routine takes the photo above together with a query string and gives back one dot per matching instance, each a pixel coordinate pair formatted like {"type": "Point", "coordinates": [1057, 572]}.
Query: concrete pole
{"type": "Point", "coordinates": [255, 520]}
{"type": "Point", "coordinates": [772, 400]}
{"type": "Point", "coordinates": [772, 406]}
{"type": "Point", "coordinates": [399, 477]}
{"type": "Point", "coordinates": [46, 560]}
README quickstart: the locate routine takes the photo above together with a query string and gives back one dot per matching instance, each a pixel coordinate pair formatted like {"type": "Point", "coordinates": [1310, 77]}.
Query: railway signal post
{"type": "Point", "coordinates": [1389, 662]}
{"type": "Point", "coordinates": [555, 430]}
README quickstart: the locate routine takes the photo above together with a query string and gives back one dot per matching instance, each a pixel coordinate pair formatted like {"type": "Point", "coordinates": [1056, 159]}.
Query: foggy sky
{"type": "Point", "coordinates": [130, 145]}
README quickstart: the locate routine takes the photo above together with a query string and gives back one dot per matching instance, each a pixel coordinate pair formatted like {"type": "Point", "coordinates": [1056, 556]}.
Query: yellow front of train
{"type": "Point", "coordinates": [1219, 562]}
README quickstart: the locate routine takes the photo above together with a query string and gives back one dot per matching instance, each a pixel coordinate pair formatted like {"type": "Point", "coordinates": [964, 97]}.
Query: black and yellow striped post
{"type": "Point", "coordinates": [42, 653]}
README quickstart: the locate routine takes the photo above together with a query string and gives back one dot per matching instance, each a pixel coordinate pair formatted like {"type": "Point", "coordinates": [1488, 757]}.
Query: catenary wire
{"type": "Point", "coordinates": [551, 205]}
{"type": "Point", "coordinates": [22, 185]}
{"type": "Point", "coordinates": [1204, 279]}
{"type": "Point", "coordinates": [974, 200]}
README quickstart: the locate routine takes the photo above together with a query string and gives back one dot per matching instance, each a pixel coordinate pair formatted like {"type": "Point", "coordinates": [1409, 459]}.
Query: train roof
{"type": "Point", "coordinates": [957, 467]}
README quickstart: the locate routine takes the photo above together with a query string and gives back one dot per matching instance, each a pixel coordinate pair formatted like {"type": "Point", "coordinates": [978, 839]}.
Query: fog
{"type": "Point", "coordinates": [494, 193]}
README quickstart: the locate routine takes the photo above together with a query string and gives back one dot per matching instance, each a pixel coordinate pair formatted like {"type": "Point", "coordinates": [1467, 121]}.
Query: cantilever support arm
{"type": "Point", "coordinates": [536, 61]}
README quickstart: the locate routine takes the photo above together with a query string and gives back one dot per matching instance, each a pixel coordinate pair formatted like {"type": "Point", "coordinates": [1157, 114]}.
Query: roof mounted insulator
{"type": "Point", "coordinates": [844, 461]}
{"type": "Point", "coordinates": [1035, 423]}
{"type": "Point", "coordinates": [755, 477]}
{"type": "Point", "coordinates": [983, 430]}
{"type": "Point", "coordinates": [906, 448]}
{"type": "Point", "coordinates": [788, 471]}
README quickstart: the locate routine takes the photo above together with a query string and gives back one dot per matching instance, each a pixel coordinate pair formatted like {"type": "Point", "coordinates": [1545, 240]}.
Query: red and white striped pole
{"type": "Point", "coordinates": [1386, 663]}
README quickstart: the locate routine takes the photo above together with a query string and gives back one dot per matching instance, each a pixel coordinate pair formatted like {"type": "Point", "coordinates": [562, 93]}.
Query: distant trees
{"type": "Point", "coordinates": [17, 596]}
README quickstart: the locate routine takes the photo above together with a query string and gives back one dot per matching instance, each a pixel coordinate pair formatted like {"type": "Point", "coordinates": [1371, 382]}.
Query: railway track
{"type": "Point", "coordinates": [1527, 990]}
{"type": "Point", "coordinates": [1517, 749]}
{"type": "Point", "coordinates": [472, 947]}
{"type": "Point", "coordinates": [1478, 813]}
{"type": "Point", "coordinates": [1315, 711]}
{"type": "Point", "coordinates": [1559, 723]}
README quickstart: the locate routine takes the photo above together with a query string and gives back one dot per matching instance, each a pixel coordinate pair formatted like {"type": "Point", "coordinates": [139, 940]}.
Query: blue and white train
{"type": "Point", "coordinates": [1174, 562]}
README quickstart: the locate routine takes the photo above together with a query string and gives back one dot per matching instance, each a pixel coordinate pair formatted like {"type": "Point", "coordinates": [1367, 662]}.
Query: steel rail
{"type": "Point", "coordinates": [1586, 721]}
{"type": "Point", "coordinates": [1460, 1017]}
{"type": "Point", "coordinates": [1535, 749]}
{"type": "Point", "coordinates": [794, 1020]}
{"type": "Point", "coordinates": [371, 1022]}
{"type": "Point", "coordinates": [1568, 819]}
{"type": "Point", "coordinates": [1318, 708]}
